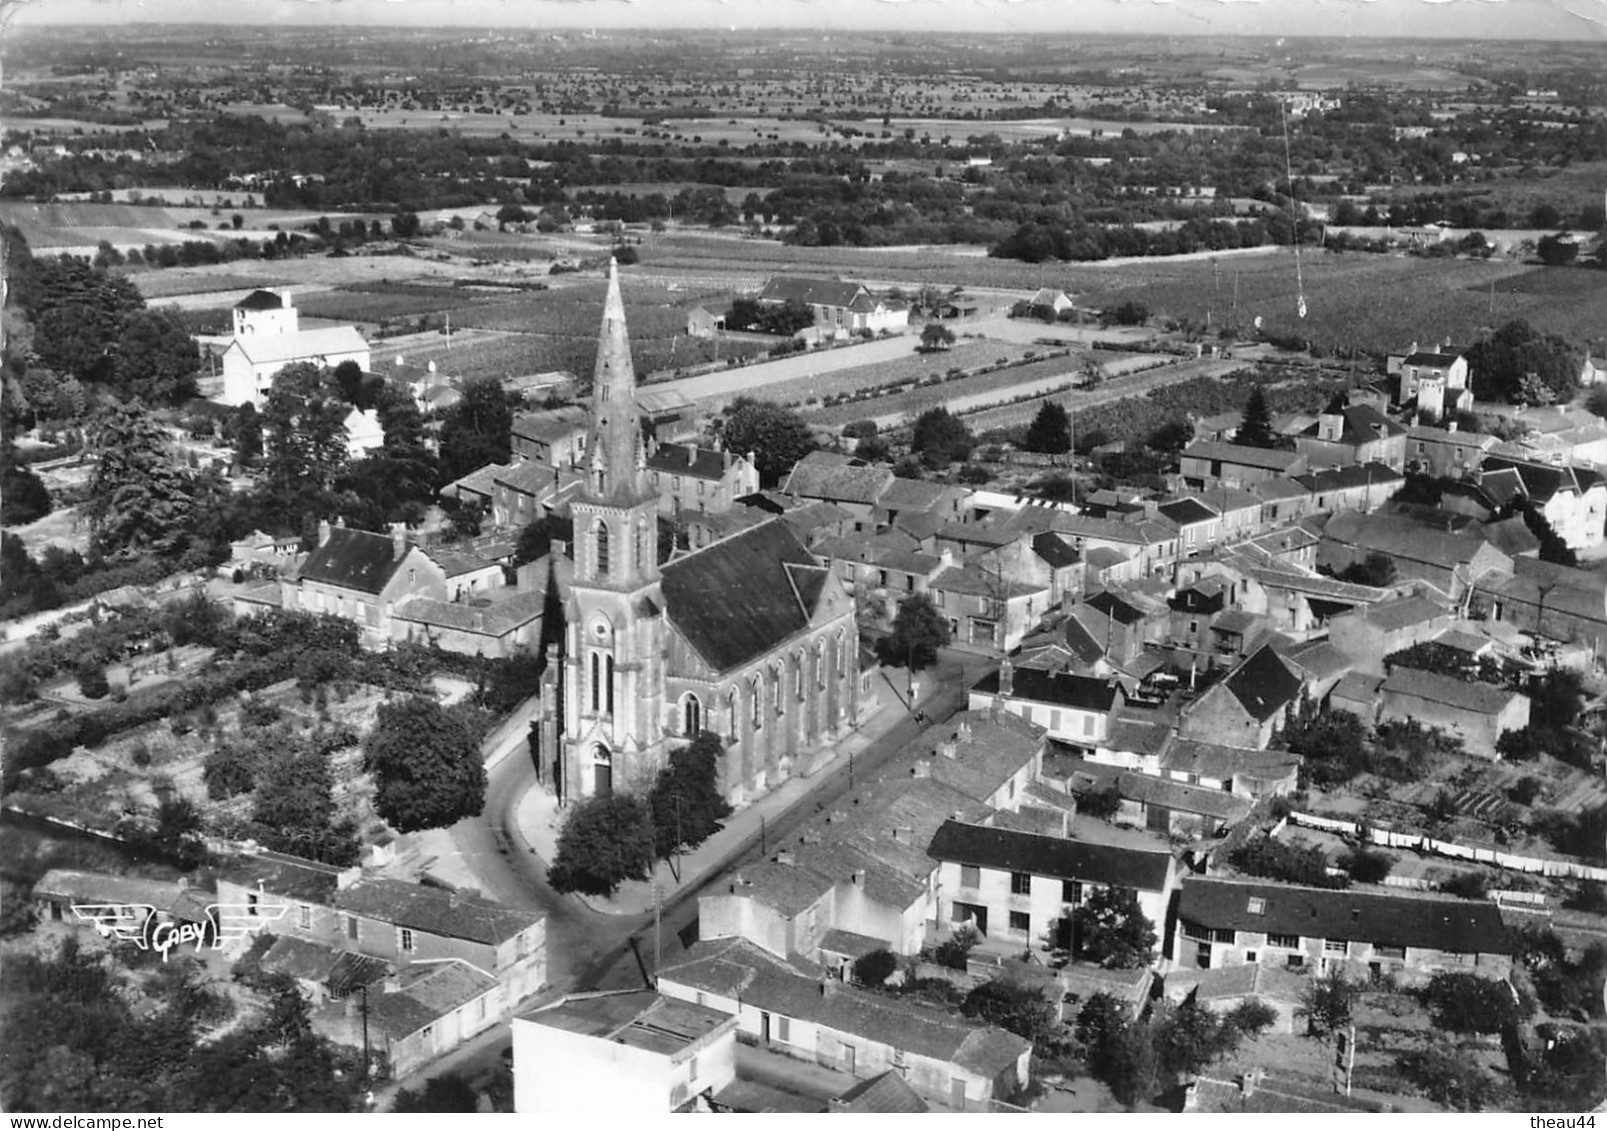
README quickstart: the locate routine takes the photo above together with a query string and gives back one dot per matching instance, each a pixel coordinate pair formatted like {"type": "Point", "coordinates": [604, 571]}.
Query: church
{"type": "Point", "coordinates": [749, 638]}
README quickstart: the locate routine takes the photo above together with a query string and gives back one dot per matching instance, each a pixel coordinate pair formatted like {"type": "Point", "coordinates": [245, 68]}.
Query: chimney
{"type": "Point", "coordinates": [1007, 683]}
{"type": "Point", "coordinates": [323, 531]}
{"type": "Point", "coordinates": [946, 749]}
{"type": "Point", "coordinates": [1447, 348]}
{"type": "Point", "coordinates": [1330, 426]}
{"type": "Point", "coordinates": [430, 367]}
{"type": "Point", "coordinates": [828, 986]}
{"type": "Point", "coordinates": [287, 298]}
{"type": "Point", "coordinates": [784, 856]}
{"type": "Point", "coordinates": [398, 541]}
{"type": "Point", "coordinates": [691, 454]}
{"type": "Point", "coordinates": [1413, 350]}
{"type": "Point", "coordinates": [1152, 509]}
{"type": "Point", "coordinates": [1450, 426]}
{"type": "Point", "coordinates": [810, 836]}
{"type": "Point", "coordinates": [340, 521]}
{"type": "Point", "coordinates": [479, 620]}
{"type": "Point", "coordinates": [922, 769]}
{"type": "Point", "coordinates": [1247, 1083]}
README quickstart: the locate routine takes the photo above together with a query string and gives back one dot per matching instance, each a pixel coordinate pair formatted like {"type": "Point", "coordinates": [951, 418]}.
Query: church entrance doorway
{"type": "Point", "coordinates": [602, 771]}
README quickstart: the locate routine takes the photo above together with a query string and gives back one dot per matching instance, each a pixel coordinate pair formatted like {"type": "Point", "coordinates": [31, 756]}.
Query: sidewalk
{"type": "Point", "coordinates": [539, 817]}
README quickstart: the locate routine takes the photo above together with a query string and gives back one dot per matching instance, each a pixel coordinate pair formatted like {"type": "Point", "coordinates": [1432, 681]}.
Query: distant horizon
{"type": "Point", "coordinates": [1583, 22]}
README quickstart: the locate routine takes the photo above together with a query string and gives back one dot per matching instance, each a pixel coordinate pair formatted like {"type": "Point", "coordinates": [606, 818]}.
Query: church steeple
{"type": "Point", "coordinates": [615, 456]}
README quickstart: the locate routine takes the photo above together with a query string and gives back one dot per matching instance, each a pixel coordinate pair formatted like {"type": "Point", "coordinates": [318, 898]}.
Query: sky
{"type": "Point", "coordinates": [1577, 20]}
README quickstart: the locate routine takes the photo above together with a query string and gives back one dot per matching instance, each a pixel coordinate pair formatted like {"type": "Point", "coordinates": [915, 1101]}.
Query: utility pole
{"type": "Point", "coordinates": [366, 1061]}
{"type": "Point", "coordinates": [658, 928]}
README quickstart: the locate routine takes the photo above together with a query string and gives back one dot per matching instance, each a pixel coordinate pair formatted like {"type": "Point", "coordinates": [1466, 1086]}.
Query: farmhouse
{"type": "Point", "coordinates": [250, 362]}
{"type": "Point", "coordinates": [837, 305]}
{"type": "Point", "coordinates": [1477, 713]}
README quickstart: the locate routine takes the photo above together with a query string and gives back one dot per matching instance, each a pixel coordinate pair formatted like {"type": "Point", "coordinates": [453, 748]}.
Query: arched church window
{"type": "Point", "coordinates": [820, 663]}
{"type": "Point", "coordinates": [610, 693]}
{"type": "Point", "coordinates": [596, 680]}
{"type": "Point", "coordinates": [798, 675]}
{"type": "Point", "coordinates": [602, 547]}
{"type": "Point", "coordinates": [641, 563]}
{"type": "Point", "coordinates": [756, 691]}
{"type": "Point", "coordinates": [694, 717]}
{"type": "Point", "coordinates": [842, 654]}
{"type": "Point", "coordinates": [778, 681]}
{"type": "Point", "coordinates": [731, 715]}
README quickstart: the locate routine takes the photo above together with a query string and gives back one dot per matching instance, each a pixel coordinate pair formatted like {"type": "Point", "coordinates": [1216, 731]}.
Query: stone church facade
{"type": "Point", "coordinates": [749, 638]}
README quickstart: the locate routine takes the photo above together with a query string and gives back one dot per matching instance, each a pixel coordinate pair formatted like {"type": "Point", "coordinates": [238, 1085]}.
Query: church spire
{"type": "Point", "coordinates": [614, 452]}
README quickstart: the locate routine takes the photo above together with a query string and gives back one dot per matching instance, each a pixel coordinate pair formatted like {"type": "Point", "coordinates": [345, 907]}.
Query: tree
{"type": "Point", "coordinates": [1367, 866]}
{"type": "Point", "coordinates": [23, 495]}
{"type": "Point", "coordinates": [1557, 250]}
{"type": "Point", "coordinates": [919, 630]}
{"type": "Point", "coordinates": [446, 1094]}
{"type": "Point", "coordinates": [478, 430]}
{"type": "Point", "coordinates": [875, 968]}
{"type": "Point", "coordinates": [935, 338]}
{"type": "Point", "coordinates": [92, 682]}
{"type": "Point", "coordinates": [1447, 1076]}
{"type": "Point", "coordinates": [1256, 431]}
{"type": "Point", "coordinates": [941, 438]}
{"type": "Point", "coordinates": [140, 500]}
{"type": "Point", "coordinates": [404, 224]}
{"type": "Point", "coordinates": [777, 436]}
{"type": "Point", "coordinates": [1499, 364]}
{"type": "Point", "coordinates": [295, 808]}
{"type": "Point", "coordinates": [686, 801]}
{"type": "Point", "coordinates": [1327, 1004]}
{"type": "Point", "coordinates": [1111, 929]}
{"type": "Point", "coordinates": [304, 420]}
{"type": "Point", "coordinates": [156, 359]}
{"type": "Point", "coordinates": [605, 841]}
{"type": "Point", "coordinates": [1376, 569]}
{"type": "Point", "coordinates": [1050, 430]}
{"type": "Point", "coordinates": [427, 766]}
{"type": "Point", "coordinates": [1470, 1003]}
{"type": "Point", "coordinates": [1552, 548]}
{"type": "Point", "coordinates": [1020, 1009]}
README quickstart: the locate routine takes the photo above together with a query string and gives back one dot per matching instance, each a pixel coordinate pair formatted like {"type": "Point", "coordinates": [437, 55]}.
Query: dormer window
{"type": "Point", "coordinates": [1257, 906]}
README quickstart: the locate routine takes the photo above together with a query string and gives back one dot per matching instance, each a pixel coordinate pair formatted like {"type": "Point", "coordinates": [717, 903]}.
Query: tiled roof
{"type": "Point", "coordinates": [1211, 760]}
{"type": "Point", "coordinates": [1229, 982]}
{"type": "Point", "coordinates": [912, 494]}
{"type": "Point", "coordinates": [1055, 551]}
{"type": "Point", "coordinates": [1052, 856]}
{"type": "Point", "coordinates": [643, 1019]}
{"type": "Point", "coordinates": [744, 595]}
{"type": "Point", "coordinates": [1131, 734]}
{"type": "Point", "coordinates": [886, 1094]}
{"type": "Point", "coordinates": [739, 969]}
{"type": "Point", "coordinates": [549, 425]}
{"type": "Point", "coordinates": [840, 482]}
{"type": "Point", "coordinates": [787, 888]}
{"type": "Point", "coordinates": [1403, 612]}
{"type": "Point", "coordinates": [289, 876]}
{"type": "Point", "coordinates": [496, 619]}
{"type": "Point", "coordinates": [449, 914]}
{"type": "Point", "coordinates": [427, 994]}
{"type": "Point", "coordinates": [1182, 798]}
{"type": "Point", "coordinates": [1383, 479]}
{"type": "Point", "coordinates": [1063, 689]}
{"type": "Point", "coordinates": [101, 887]}
{"type": "Point", "coordinates": [456, 563]}
{"type": "Point", "coordinates": [1454, 925]}
{"type": "Point", "coordinates": [1272, 459]}
{"type": "Point", "coordinates": [307, 961]}
{"type": "Point", "coordinates": [979, 582]}
{"type": "Point", "coordinates": [1474, 698]}
{"type": "Point", "coordinates": [998, 746]}
{"type": "Point", "coordinates": [480, 481]}
{"type": "Point", "coordinates": [1263, 684]}
{"type": "Point", "coordinates": [1318, 659]}
{"type": "Point", "coordinates": [1403, 538]}
{"type": "Point", "coordinates": [850, 944]}
{"type": "Point", "coordinates": [301, 345]}
{"type": "Point", "coordinates": [1187, 510]}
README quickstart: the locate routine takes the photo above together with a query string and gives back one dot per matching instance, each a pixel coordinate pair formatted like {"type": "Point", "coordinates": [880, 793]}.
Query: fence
{"type": "Point", "coordinates": [1421, 842]}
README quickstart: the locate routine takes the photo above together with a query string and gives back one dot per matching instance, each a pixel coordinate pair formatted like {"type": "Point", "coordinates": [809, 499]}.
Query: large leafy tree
{"type": "Point", "coordinates": [1517, 362]}
{"type": "Point", "coordinates": [1021, 1009]}
{"type": "Point", "coordinates": [1112, 930]}
{"type": "Point", "coordinates": [686, 800]}
{"type": "Point", "coordinates": [776, 436]}
{"type": "Point", "coordinates": [426, 764]}
{"type": "Point", "coordinates": [941, 438]}
{"type": "Point", "coordinates": [304, 419]}
{"type": "Point", "coordinates": [141, 501]}
{"type": "Point", "coordinates": [606, 841]}
{"type": "Point", "coordinates": [156, 358]}
{"type": "Point", "coordinates": [1256, 431]}
{"type": "Point", "coordinates": [78, 313]}
{"type": "Point", "coordinates": [478, 430]}
{"type": "Point", "coordinates": [295, 807]}
{"type": "Point", "coordinates": [919, 630]}
{"type": "Point", "coordinates": [1050, 430]}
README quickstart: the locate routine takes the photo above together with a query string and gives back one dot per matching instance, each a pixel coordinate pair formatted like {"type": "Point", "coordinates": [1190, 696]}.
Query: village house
{"type": "Point", "coordinates": [1552, 601]}
{"type": "Point", "coordinates": [1450, 562]}
{"type": "Point", "coordinates": [1358, 434]}
{"type": "Point", "coordinates": [1020, 888]}
{"type": "Point", "coordinates": [690, 479]}
{"type": "Point", "coordinates": [554, 437]}
{"type": "Point", "coordinates": [251, 362]}
{"type": "Point", "coordinates": [361, 576]}
{"type": "Point", "coordinates": [1225, 988]}
{"type": "Point", "coordinates": [837, 306]}
{"type": "Point", "coordinates": [266, 313]}
{"type": "Point", "coordinates": [1073, 709]}
{"type": "Point", "coordinates": [1445, 453]}
{"type": "Point", "coordinates": [424, 1012]}
{"type": "Point", "coordinates": [1572, 499]}
{"type": "Point", "coordinates": [1198, 526]}
{"type": "Point", "coordinates": [1370, 632]}
{"type": "Point", "coordinates": [647, 1053]}
{"type": "Point", "coordinates": [1434, 382]}
{"type": "Point", "coordinates": [803, 1013]}
{"type": "Point", "coordinates": [1321, 930]}
{"type": "Point", "coordinates": [1213, 463]}
{"type": "Point", "coordinates": [1477, 713]}
{"type": "Point", "coordinates": [1246, 773]}
{"type": "Point", "coordinates": [986, 609]}
{"type": "Point", "coordinates": [1357, 487]}
{"type": "Point", "coordinates": [1246, 706]}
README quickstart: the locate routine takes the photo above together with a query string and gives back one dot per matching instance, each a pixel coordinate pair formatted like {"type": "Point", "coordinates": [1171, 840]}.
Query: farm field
{"type": "Point", "coordinates": [1370, 302]}
{"type": "Point", "coordinates": [737, 130]}
{"type": "Point", "coordinates": [1111, 391]}
{"type": "Point", "coordinates": [807, 366]}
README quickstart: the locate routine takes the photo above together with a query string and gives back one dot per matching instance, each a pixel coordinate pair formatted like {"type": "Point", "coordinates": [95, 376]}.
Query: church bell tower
{"type": "Point", "coordinates": [614, 664]}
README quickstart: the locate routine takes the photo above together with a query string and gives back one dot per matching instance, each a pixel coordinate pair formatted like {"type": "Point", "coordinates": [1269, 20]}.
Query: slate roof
{"type": "Point", "coordinates": [1252, 978]}
{"type": "Point", "coordinates": [1403, 538]}
{"type": "Point", "coordinates": [353, 559]}
{"type": "Point", "coordinates": [1113, 606]}
{"type": "Point", "coordinates": [1272, 459]}
{"type": "Point", "coordinates": [738, 969]}
{"type": "Point", "coordinates": [1454, 925]}
{"type": "Point", "coordinates": [303, 344]}
{"type": "Point", "coordinates": [1130, 734]}
{"type": "Point", "coordinates": [1432, 359]}
{"type": "Point", "coordinates": [101, 887]}
{"type": "Point", "coordinates": [1186, 511]}
{"type": "Point", "coordinates": [912, 494]}
{"type": "Point", "coordinates": [698, 463]}
{"type": "Point", "coordinates": [261, 300]}
{"type": "Point", "coordinates": [1543, 480]}
{"type": "Point", "coordinates": [451, 915]}
{"type": "Point", "coordinates": [744, 595]}
{"type": "Point", "coordinates": [552, 424]}
{"type": "Point", "coordinates": [427, 994]}
{"type": "Point", "coordinates": [1511, 536]}
{"type": "Point", "coordinates": [1053, 856]}
{"type": "Point", "coordinates": [999, 745]}
{"type": "Point", "coordinates": [1263, 684]}
{"type": "Point", "coordinates": [815, 292]}
{"type": "Point", "coordinates": [1055, 551]}
{"type": "Point", "coordinates": [496, 619]}
{"type": "Point", "coordinates": [1376, 475]}
{"type": "Point", "coordinates": [787, 888]}
{"type": "Point", "coordinates": [1362, 424]}
{"type": "Point", "coordinates": [979, 582]}
{"type": "Point", "coordinates": [1083, 693]}
{"type": "Point", "coordinates": [1401, 613]}
{"type": "Point", "coordinates": [1473, 698]}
